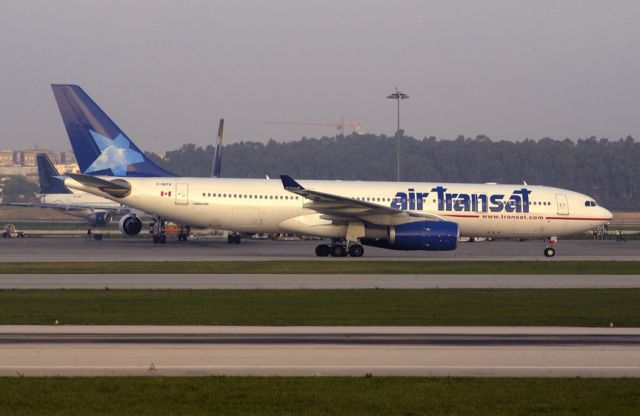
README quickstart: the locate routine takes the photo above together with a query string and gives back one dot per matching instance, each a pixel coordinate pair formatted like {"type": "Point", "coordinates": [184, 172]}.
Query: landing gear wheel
{"type": "Point", "coordinates": [549, 252]}
{"type": "Point", "coordinates": [323, 250]}
{"type": "Point", "coordinates": [356, 250]}
{"type": "Point", "coordinates": [156, 239]}
{"type": "Point", "coordinates": [163, 239]}
{"type": "Point", "coordinates": [338, 250]}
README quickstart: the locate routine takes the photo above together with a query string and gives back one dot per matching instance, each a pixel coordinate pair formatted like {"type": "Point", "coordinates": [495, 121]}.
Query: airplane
{"type": "Point", "coordinates": [393, 215]}
{"type": "Point", "coordinates": [96, 210]}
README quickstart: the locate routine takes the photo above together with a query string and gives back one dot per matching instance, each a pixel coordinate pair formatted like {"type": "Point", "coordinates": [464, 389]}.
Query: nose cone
{"type": "Point", "coordinates": [606, 214]}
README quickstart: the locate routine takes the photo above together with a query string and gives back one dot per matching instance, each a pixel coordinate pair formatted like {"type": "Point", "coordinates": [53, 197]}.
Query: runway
{"type": "Point", "coordinates": [313, 281]}
{"type": "Point", "coordinates": [139, 249]}
{"type": "Point", "coordinates": [413, 351]}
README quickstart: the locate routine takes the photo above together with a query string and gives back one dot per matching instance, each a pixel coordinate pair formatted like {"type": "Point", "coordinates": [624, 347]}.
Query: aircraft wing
{"type": "Point", "coordinates": [337, 206]}
{"type": "Point", "coordinates": [20, 204]}
{"type": "Point", "coordinates": [78, 207]}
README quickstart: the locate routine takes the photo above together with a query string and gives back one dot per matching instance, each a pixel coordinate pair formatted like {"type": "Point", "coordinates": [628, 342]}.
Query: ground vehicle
{"type": "Point", "coordinates": [9, 230]}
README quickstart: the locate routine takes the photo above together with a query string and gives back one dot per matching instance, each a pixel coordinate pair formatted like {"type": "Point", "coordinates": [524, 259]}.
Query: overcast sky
{"type": "Point", "coordinates": [166, 71]}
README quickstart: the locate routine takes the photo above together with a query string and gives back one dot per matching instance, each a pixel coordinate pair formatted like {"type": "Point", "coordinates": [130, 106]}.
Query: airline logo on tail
{"type": "Point", "coordinates": [115, 155]}
{"type": "Point", "coordinates": [100, 146]}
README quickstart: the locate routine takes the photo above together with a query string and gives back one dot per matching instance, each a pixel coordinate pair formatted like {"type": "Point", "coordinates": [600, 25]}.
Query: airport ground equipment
{"type": "Point", "coordinates": [10, 231]}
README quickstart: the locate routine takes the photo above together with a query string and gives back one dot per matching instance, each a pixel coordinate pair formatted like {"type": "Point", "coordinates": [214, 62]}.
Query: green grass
{"type": "Point", "coordinates": [579, 307]}
{"type": "Point", "coordinates": [331, 266]}
{"type": "Point", "coordinates": [318, 396]}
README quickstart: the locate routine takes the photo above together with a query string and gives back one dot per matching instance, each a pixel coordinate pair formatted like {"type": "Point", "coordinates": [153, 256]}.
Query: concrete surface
{"type": "Point", "coordinates": [311, 281]}
{"type": "Point", "coordinates": [414, 351]}
{"type": "Point", "coordinates": [136, 249]}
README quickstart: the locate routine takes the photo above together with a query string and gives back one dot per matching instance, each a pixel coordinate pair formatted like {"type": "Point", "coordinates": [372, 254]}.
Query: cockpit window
{"type": "Point", "coordinates": [590, 203]}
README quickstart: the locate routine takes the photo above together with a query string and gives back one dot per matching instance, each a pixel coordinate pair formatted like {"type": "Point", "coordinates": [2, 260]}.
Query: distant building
{"type": "Point", "coordinates": [68, 158]}
{"type": "Point", "coordinates": [67, 167]}
{"type": "Point", "coordinates": [6, 157]}
{"type": "Point", "coordinates": [29, 156]}
{"type": "Point", "coordinates": [23, 162]}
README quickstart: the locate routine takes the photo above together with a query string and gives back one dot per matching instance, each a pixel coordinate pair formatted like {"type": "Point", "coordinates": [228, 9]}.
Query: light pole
{"type": "Point", "coordinates": [398, 96]}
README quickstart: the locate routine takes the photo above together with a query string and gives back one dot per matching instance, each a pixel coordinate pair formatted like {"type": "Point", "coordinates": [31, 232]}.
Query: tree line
{"type": "Point", "coordinates": [608, 170]}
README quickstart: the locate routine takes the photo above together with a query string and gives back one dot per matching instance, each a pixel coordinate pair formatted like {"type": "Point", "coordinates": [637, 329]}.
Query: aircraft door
{"type": "Point", "coordinates": [563, 204]}
{"type": "Point", "coordinates": [182, 193]}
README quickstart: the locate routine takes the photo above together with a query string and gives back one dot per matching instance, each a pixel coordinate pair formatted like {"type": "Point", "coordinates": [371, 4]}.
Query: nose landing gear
{"type": "Point", "coordinates": [549, 251]}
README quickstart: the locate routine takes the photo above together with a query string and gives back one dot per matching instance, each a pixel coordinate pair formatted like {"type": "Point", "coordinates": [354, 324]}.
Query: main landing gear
{"type": "Point", "coordinates": [234, 238]}
{"type": "Point", "coordinates": [184, 233]}
{"type": "Point", "coordinates": [159, 232]}
{"type": "Point", "coordinates": [549, 251]}
{"type": "Point", "coordinates": [340, 248]}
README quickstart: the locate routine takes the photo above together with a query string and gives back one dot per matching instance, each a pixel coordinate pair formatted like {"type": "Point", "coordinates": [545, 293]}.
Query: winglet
{"type": "Point", "coordinates": [290, 184]}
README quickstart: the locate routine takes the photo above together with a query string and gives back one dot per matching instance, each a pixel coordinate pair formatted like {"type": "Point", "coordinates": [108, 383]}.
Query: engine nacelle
{"type": "Point", "coordinates": [100, 218]}
{"type": "Point", "coordinates": [130, 225]}
{"type": "Point", "coordinates": [420, 235]}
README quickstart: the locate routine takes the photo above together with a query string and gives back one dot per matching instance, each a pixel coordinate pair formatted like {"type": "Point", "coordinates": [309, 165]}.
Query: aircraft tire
{"type": "Point", "coordinates": [549, 252]}
{"type": "Point", "coordinates": [156, 239]}
{"type": "Point", "coordinates": [163, 239]}
{"type": "Point", "coordinates": [323, 250]}
{"type": "Point", "coordinates": [338, 250]}
{"type": "Point", "coordinates": [356, 250]}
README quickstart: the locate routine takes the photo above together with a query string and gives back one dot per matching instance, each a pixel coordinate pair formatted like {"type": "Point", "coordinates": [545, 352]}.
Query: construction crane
{"type": "Point", "coordinates": [340, 126]}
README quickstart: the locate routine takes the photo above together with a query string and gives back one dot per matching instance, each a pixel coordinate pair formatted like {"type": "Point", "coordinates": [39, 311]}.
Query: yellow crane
{"type": "Point", "coordinates": [340, 126]}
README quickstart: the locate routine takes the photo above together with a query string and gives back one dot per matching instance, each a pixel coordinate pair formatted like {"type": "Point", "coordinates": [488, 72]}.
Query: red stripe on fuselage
{"type": "Point", "coordinates": [462, 216]}
{"type": "Point", "coordinates": [578, 219]}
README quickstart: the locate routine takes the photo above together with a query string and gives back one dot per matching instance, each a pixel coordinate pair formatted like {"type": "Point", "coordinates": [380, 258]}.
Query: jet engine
{"type": "Point", "coordinates": [99, 218]}
{"type": "Point", "coordinates": [419, 235]}
{"type": "Point", "coordinates": [130, 225]}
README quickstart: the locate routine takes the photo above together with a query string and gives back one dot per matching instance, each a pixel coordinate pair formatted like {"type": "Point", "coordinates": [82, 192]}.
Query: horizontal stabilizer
{"type": "Point", "coordinates": [118, 188]}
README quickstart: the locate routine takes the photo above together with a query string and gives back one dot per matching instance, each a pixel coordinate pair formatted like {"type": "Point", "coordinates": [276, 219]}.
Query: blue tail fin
{"type": "Point", "coordinates": [101, 148]}
{"type": "Point", "coordinates": [47, 173]}
{"type": "Point", "coordinates": [217, 156]}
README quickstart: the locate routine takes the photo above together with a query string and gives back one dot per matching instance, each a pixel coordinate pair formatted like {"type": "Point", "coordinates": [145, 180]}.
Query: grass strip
{"type": "Point", "coordinates": [318, 396]}
{"type": "Point", "coordinates": [330, 266]}
{"type": "Point", "coordinates": [573, 307]}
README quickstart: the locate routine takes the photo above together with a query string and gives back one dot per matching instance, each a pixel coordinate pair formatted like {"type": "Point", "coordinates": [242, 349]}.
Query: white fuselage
{"type": "Point", "coordinates": [263, 205]}
{"type": "Point", "coordinates": [79, 203]}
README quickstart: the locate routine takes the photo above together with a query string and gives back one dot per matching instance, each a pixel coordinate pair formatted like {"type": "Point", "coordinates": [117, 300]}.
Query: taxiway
{"type": "Point", "coordinates": [137, 249]}
{"type": "Point", "coordinates": [314, 281]}
{"type": "Point", "coordinates": [413, 351]}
